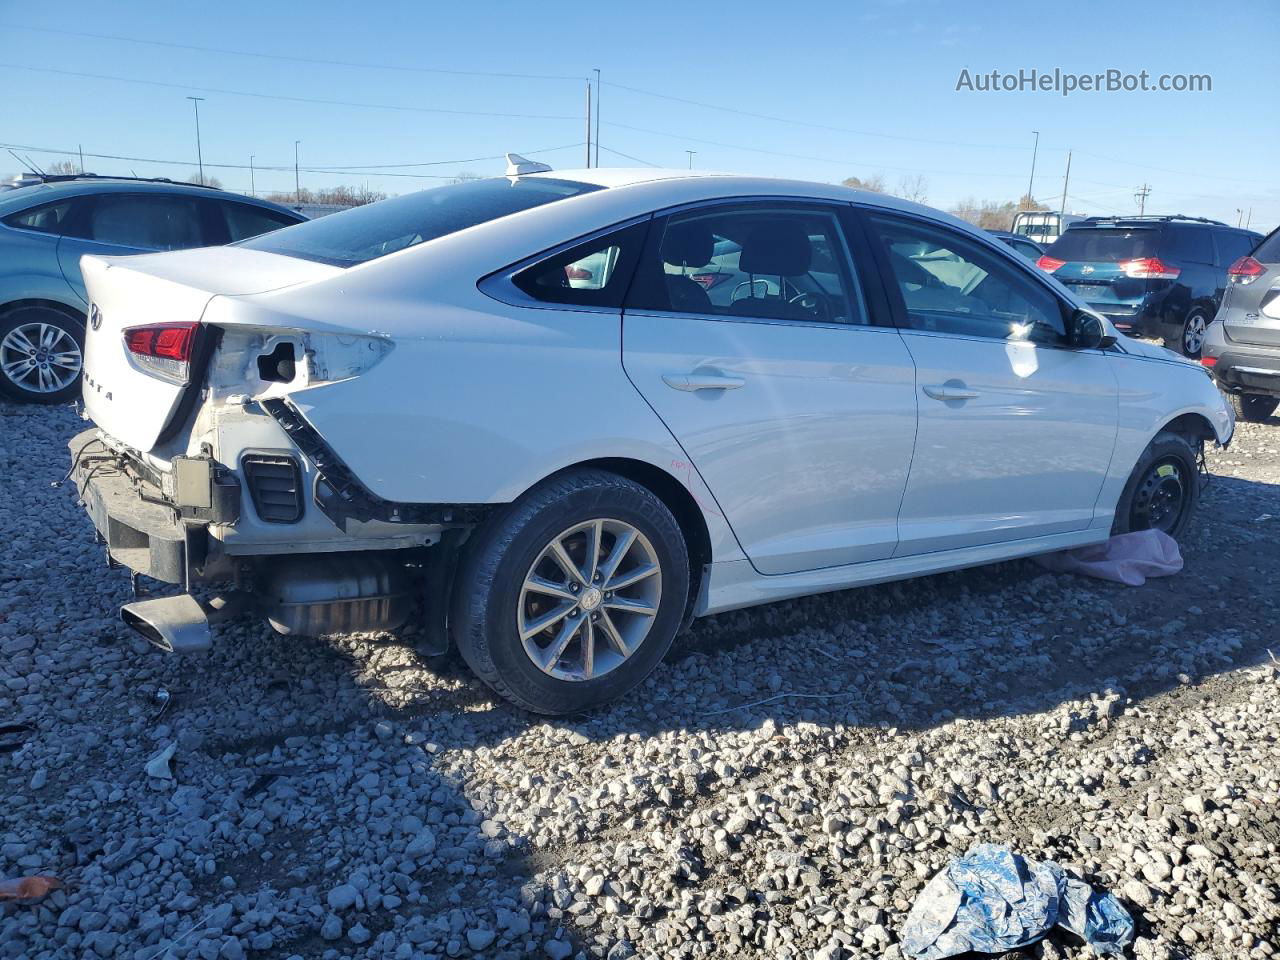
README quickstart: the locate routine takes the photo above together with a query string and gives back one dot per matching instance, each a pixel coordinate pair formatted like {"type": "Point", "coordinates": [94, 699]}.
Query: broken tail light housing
{"type": "Point", "coordinates": [1049, 264]}
{"type": "Point", "coordinates": [1149, 268]}
{"type": "Point", "coordinates": [1245, 270]}
{"type": "Point", "coordinates": [163, 349]}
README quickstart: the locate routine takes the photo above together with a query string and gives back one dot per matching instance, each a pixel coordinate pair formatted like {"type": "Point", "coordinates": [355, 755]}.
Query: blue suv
{"type": "Point", "coordinates": [44, 230]}
{"type": "Point", "coordinates": [1161, 277]}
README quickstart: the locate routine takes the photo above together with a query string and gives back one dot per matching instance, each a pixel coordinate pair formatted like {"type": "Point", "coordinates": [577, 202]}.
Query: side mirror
{"type": "Point", "coordinates": [1088, 332]}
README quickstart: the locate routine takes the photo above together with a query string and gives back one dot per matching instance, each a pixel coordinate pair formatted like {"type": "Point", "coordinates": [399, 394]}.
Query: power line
{"type": "Point", "coordinates": [292, 59]}
{"type": "Point", "coordinates": [281, 168]}
{"type": "Point", "coordinates": [625, 156]}
{"type": "Point", "coordinates": [805, 123]}
{"type": "Point", "coordinates": [277, 96]}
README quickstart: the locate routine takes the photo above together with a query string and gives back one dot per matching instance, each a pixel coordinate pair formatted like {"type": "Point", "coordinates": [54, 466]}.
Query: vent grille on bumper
{"type": "Point", "coordinates": [275, 484]}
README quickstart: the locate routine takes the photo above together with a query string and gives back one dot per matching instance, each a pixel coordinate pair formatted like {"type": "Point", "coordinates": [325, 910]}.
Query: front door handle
{"type": "Point", "coordinates": [950, 391]}
{"type": "Point", "coordinates": [691, 382]}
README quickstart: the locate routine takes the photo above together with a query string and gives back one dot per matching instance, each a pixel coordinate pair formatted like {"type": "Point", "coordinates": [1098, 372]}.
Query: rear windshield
{"type": "Point", "coordinates": [365, 233]}
{"type": "Point", "coordinates": [1104, 244]}
{"type": "Point", "coordinates": [1269, 249]}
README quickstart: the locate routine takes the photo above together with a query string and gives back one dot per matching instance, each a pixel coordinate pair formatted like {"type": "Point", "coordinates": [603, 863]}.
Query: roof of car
{"type": "Point", "coordinates": [23, 197]}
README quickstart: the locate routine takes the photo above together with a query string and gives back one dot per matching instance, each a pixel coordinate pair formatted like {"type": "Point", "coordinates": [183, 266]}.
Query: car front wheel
{"type": "Point", "coordinates": [41, 355]}
{"type": "Point", "coordinates": [1163, 491]}
{"type": "Point", "coordinates": [571, 596]}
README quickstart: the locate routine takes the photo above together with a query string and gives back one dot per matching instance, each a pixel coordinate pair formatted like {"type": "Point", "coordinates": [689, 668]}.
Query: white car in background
{"type": "Point", "coordinates": [508, 399]}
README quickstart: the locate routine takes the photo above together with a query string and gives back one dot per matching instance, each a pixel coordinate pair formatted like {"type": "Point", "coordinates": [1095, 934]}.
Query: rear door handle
{"type": "Point", "coordinates": [691, 382]}
{"type": "Point", "coordinates": [948, 391]}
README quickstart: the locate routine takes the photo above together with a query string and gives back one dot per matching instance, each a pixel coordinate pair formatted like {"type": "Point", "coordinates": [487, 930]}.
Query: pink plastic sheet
{"type": "Point", "coordinates": [1129, 558]}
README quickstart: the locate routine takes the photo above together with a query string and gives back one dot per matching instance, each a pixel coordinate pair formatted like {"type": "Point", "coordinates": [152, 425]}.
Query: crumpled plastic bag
{"type": "Point", "coordinates": [28, 888]}
{"type": "Point", "coordinates": [992, 900]}
{"type": "Point", "coordinates": [1128, 558]}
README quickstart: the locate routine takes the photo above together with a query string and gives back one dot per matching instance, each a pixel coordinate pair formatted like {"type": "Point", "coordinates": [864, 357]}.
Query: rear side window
{"type": "Point", "coordinates": [595, 273]}
{"type": "Point", "coordinates": [366, 233]}
{"type": "Point", "coordinates": [1104, 244]}
{"type": "Point", "coordinates": [1187, 244]}
{"type": "Point", "coordinates": [1232, 245]}
{"type": "Point", "coordinates": [245, 221]}
{"type": "Point", "coordinates": [150, 222]}
{"type": "Point", "coordinates": [754, 261]}
{"type": "Point", "coordinates": [49, 218]}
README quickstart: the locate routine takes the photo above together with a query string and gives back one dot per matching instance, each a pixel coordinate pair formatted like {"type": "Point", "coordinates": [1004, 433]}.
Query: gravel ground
{"type": "Point", "coordinates": [347, 798]}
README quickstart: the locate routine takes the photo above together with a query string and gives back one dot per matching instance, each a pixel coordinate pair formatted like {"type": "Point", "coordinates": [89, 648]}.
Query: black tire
{"type": "Point", "coordinates": [21, 388]}
{"type": "Point", "coordinates": [1151, 482]}
{"type": "Point", "coordinates": [1191, 342]}
{"type": "Point", "coordinates": [487, 592]}
{"type": "Point", "coordinates": [1253, 408]}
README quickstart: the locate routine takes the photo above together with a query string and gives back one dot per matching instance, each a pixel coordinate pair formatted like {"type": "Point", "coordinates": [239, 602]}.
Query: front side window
{"type": "Point", "coordinates": [752, 261]}
{"type": "Point", "coordinates": [377, 229]}
{"type": "Point", "coordinates": [951, 284]}
{"type": "Point", "coordinates": [145, 222]}
{"type": "Point", "coordinates": [594, 273]}
{"type": "Point", "coordinates": [245, 220]}
{"type": "Point", "coordinates": [49, 218]}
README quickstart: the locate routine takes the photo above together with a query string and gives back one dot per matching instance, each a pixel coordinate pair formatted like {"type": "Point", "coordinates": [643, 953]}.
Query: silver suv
{"type": "Point", "coordinates": [44, 230]}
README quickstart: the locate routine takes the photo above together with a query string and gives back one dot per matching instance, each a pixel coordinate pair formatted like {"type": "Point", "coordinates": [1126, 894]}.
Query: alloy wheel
{"type": "Point", "coordinates": [589, 599]}
{"type": "Point", "coordinates": [40, 357]}
{"type": "Point", "coordinates": [1193, 335]}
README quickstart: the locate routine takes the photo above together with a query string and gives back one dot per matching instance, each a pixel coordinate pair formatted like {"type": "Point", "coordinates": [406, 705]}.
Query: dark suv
{"type": "Point", "coordinates": [1157, 277]}
{"type": "Point", "coordinates": [46, 227]}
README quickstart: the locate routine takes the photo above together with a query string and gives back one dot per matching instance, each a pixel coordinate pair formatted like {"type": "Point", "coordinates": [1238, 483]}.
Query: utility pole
{"type": "Point", "coordinates": [1062, 211]}
{"type": "Point", "coordinates": [597, 116]}
{"type": "Point", "coordinates": [1031, 197]}
{"type": "Point", "coordinates": [691, 153]}
{"type": "Point", "coordinates": [80, 147]}
{"type": "Point", "coordinates": [195, 102]}
{"type": "Point", "coordinates": [1248, 219]}
{"type": "Point", "coordinates": [297, 182]}
{"type": "Point", "coordinates": [252, 189]}
{"type": "Point", "coordinates": [588, 124]}
{"type": "Point", "coordinates": [1144, 191]}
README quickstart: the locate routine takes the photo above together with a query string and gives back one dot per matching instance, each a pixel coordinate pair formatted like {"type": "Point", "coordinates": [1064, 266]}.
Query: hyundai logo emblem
{"type": "Point", "coordinates": [95, 316]}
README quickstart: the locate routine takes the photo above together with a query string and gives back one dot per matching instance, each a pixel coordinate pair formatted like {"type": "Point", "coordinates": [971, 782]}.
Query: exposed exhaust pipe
{"type": "Point", "coordinates": [180, 624]}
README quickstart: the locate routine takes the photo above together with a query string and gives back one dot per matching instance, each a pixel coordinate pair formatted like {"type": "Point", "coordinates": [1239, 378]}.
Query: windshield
{"type": "Point", "coordinates": [1103, 244]}
{"type": "Point", "coordinates": [365, 233]}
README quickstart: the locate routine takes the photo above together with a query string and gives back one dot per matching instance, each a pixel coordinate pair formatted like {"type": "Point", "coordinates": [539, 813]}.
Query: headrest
{"type": "Point", "coordinates": [688, 244]}
{"type": "Point", "coordinates": [777, 248]}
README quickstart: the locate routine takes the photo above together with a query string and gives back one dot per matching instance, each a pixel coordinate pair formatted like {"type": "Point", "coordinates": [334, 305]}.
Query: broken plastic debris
{"type": "Point", "coordinates": [158, 766]}
{"type": "Point", "coordinates": [1128, 558]}
{"type": "Point", "coordinates": [160, 700]}
{"type": "Point", "coordinates": [28, 888]}
{"type": "Point", "coordinates": [992, 900]}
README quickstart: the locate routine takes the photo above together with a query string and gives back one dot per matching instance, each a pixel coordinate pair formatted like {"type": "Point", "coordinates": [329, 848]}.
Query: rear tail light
{"type": "Point", "coordinates": [1209, 361]}
{"type": "Point", "coordinates": [163, 349]}
{"type": "Point", "coordinates": [1149, 268]}
{"type": "Point", "coordinates": [1245, 270]}
{"type": "Point", "coordinates": [709, 280]}
{"type": "Point", "coordinates": [1049, 264]}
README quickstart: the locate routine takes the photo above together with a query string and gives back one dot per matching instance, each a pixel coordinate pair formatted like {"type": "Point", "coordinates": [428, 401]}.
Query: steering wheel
{"type": "Point", "coordinates": [818, 303]}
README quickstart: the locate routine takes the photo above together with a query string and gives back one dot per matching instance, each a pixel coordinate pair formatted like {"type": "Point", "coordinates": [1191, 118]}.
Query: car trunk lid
{"type": "Point", "coordinates": [135, 381]}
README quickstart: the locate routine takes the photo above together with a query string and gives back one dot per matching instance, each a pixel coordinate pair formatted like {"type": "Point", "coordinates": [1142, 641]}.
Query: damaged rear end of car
{"type": "Point", "coordinates": [202, 470]}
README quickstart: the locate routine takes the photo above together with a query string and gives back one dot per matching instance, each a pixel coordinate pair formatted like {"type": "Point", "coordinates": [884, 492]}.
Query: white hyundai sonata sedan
{"type": "Point", "coordinates": [554, 416]}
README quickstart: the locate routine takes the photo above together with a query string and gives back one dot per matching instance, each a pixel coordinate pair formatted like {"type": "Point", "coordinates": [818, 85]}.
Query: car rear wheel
{"type": "Point", "coordinates": [1253, 408]}
{"type": "Point", "coordinates": [41, 355]}
{"type": "Point", "coordinates": [1163, 491]}
{"type": "Point", "coordinates": [572, 595]}
{"type": "Point", "coordinates": [1193, 329]}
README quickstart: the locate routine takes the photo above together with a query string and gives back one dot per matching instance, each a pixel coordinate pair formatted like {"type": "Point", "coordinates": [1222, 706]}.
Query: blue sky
{"type": "Point", "coordinates": [840, 89]}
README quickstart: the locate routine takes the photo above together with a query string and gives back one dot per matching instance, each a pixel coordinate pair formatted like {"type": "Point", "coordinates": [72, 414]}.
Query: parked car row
{"type": "Point", "coordinates": [46, 226]}
{"type": "Point", "coordinates": [568, 412]}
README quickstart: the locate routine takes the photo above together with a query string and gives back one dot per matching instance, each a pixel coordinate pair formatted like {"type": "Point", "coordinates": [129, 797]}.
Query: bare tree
{"type": "Point", "coordinates": [194, 177]}
{"type": "Point", "coordinates": [874, 183]}
{"type": "Point", "coordinates": [992, 215]}
{"type": "Point", "coordinates": [466, 175]}
{"type": "Point", "coordinates": [343, 196]}
{"type": "Point", "coordinates": [63, 168]}
{"type": "Point", "coordinates": [914, 188]}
